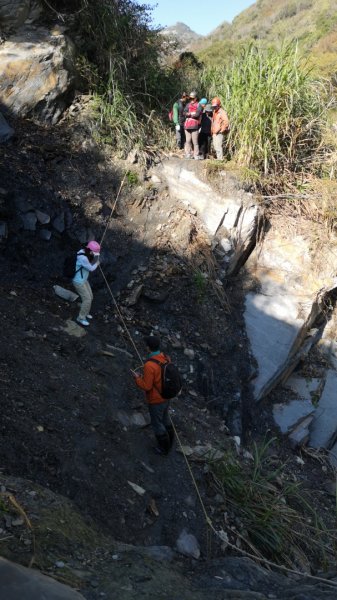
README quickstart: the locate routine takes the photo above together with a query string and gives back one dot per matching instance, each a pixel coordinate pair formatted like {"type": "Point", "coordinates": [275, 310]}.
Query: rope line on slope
{"type": "Point", "coordinates": [113, 208]}
{"type": "Point", "coordinates": [219, 534]}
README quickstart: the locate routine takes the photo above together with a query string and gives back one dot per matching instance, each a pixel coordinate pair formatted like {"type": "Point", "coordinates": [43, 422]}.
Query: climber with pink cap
{"type": "Point", "coordinates": [87, 260]}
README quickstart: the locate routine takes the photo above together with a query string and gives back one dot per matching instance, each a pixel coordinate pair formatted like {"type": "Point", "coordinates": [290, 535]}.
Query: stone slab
{"type": "Point", "coordinates": [272, 328]}
{"type": "Point", "coordinates": [323, 429]}
{"type": "Point", "coordinates": [19, 583]}
{"type": "Point", "coordinates": [300, 435]}
{"type": "Point", "coordinates": [73, 329]}
{"type": "Point", "coordinates": [287, 416]}
{"type": "Point", "coordinates": [306, 388]}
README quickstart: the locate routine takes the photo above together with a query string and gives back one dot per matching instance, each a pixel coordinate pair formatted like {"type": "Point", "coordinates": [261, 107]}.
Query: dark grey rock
{"type": "Point", "coordinates": [158, 296]}
{"type": "Point", "coordinates": [42, 217]}
{"type": "Point", "coordinates": [6, 131]}
{"type": "Point", "coordinates": [17, 582]}
{"type": "Point", "coordinates": [45, 234]}
{"type": "Point", "coordinates": [29, 221]}
{"type": "Point", "coordinates": [59, 223]}
{"type": "Point", "coordinates": [22, 204]}
{"type": "Point", "coordinates": [187, 544]}
{"type": "Point", "coordinates": [3, 231]}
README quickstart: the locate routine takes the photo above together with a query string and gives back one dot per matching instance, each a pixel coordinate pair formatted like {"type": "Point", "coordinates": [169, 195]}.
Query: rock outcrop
{"type": "Point", "coordinates": [37, 74]}
{"type": "Point", "coordinates": [230, 218]}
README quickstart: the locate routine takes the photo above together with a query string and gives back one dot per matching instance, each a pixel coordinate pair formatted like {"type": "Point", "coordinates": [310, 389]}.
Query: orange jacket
{"type": "Point", "coordinates": [151, 380]}
{"type": "Point", "coordinates": [220, 121]}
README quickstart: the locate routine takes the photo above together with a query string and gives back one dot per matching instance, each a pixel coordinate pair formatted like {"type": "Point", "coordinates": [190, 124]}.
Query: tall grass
{"type": "Point", "coordinates": [277, 111]}
{"type": "Point", "coordinates": [273, 517]}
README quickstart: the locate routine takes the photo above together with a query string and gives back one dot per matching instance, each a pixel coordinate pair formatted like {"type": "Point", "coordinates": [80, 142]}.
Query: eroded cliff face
{"type": "Point", "coordinates": [37, 64]}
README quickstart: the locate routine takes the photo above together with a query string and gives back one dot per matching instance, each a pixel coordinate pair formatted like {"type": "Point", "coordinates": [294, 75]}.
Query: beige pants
{"type": "Point", "coordinates": [217, 143]}
{"type": "Point", "coordinates": [191, 139]}
{"type": "Point", "coordinates": [85, 293]}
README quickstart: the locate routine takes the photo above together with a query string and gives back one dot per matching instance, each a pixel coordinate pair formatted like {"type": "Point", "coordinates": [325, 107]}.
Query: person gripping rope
{"type": "Point", "coordinates": [87, 261]}
{"type": "Point", "coordinates": [151, 384]}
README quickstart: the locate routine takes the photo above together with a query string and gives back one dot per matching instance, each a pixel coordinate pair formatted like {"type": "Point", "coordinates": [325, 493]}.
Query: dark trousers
{"type": "Point", "coordinates": [159, 414]}
{"type": "Point", "coordinates": [204, 144]}
{"type": "Point", "coordinates": [161, 425]}
{"type": "Point", "coordinates": [180, 137]}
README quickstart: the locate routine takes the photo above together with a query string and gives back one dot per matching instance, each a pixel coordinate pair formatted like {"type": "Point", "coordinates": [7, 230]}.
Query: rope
{"type": "Point", "coordinates": [121, 316]}
{"type": "Point", "coordinates": [113, 209]}
{"type": "Point", "coordinates": [219, 534]}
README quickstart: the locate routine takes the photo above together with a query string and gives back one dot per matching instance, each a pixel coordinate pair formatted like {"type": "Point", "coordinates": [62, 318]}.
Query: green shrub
{"type": "Point", "coordinates": [121, 62]}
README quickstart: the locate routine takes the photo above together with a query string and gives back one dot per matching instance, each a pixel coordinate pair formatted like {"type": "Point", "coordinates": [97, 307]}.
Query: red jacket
{"type": "Point", "coordinates": [193, 116]}
{"type": "Point", "coordinates": [151, 380]}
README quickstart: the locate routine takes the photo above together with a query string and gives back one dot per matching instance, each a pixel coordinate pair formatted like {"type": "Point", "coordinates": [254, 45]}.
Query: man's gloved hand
{"type": "Point", "coordinates": [177, 127]}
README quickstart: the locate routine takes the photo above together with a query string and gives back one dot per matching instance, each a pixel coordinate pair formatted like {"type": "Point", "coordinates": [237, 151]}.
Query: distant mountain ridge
{"type": "Point", "coordinates": [183, 35]}
{"type": "Point", "coordinates": [312, 22]}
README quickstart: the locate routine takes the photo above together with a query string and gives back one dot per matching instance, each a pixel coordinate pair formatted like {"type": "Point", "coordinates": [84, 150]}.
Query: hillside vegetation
{"type": "Point", "coordinates": [312, 22]}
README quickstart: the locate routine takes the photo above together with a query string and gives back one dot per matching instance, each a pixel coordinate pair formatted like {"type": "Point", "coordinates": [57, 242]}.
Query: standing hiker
{"type": "Point", "coordinates": [87, 260]}
{"type": "Point", "coordinates": [205, 131]}
{"type": "Point", "coordinates": [179, 120]}
{"type": "Point", "coordinates": [220, 125]}
{"type": "Point", "coordinates": [151, 383]}
{"type": "Point", "coordinates": [192, 124]}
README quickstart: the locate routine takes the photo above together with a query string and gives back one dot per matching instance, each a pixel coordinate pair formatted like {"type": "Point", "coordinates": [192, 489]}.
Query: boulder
{"type": "Point", "coordinates": [6, 131]}
{"type": "Point", "coordinates": [36, 74]}
{"type": "Point", "coordinates": [18, 582]}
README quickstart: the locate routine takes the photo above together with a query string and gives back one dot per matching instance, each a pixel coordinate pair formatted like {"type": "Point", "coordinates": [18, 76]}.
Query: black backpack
{"type": "Point", "coordinates": [69, 266]}
{"type": "Point", "coordinates": [171, 382]}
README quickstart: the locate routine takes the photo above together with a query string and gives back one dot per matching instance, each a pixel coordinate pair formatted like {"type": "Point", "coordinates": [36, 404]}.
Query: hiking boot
{"type": "Point", "coordinates": [163, 444]}
{"type": "Point", "coordinates": [89, 317]}
{"type": "Point", "coordinates": [198, 158]}
{"type": "Point", "coordinates": [188, 156]}
{"type": "Point", "coordinates": [170, 432]}
{"type": "Point", "coordinates": [83, 322]}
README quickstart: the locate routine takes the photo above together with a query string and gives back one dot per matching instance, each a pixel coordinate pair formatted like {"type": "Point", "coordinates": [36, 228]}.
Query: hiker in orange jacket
{"type": "Point", "coordinates": [151, 383]}
{"type": "Point", "coordinates": [220, 125]}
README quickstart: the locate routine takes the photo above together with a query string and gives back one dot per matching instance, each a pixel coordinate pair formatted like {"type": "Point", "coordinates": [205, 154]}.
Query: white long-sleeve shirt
{"type": "Point", "coordinates": [84, 267]}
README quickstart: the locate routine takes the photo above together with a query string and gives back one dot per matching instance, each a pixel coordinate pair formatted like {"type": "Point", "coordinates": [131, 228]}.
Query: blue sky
{"type": "Point", "coordinates": [197, 14]}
